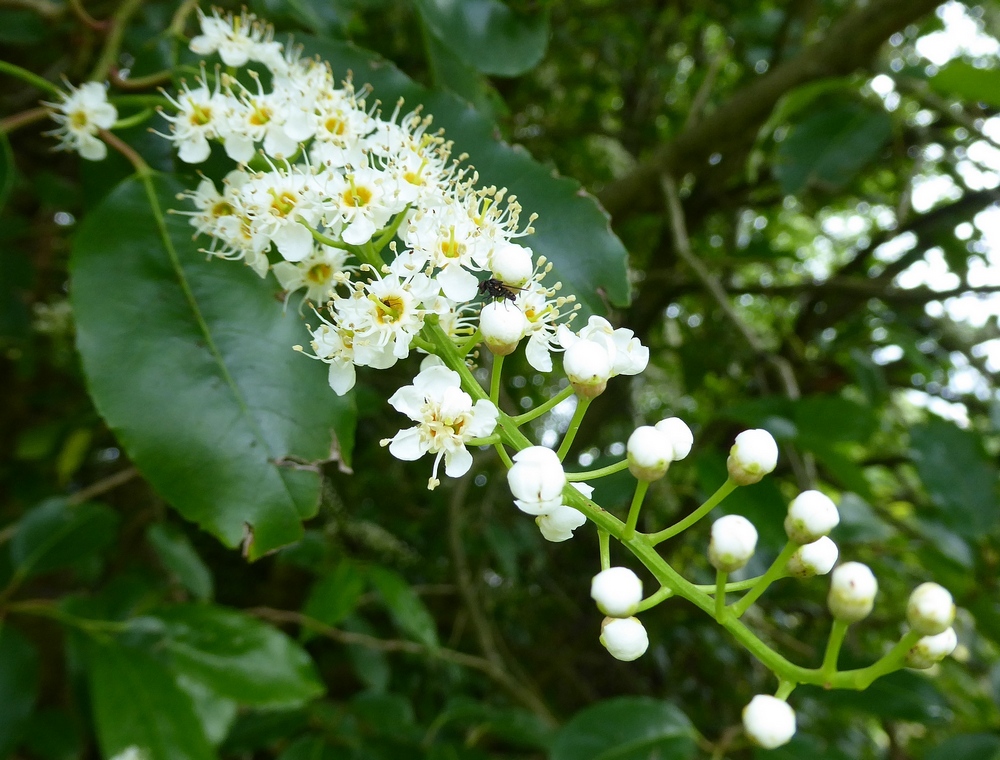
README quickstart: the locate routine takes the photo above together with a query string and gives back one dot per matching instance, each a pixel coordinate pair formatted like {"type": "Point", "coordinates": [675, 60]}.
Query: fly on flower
{"type": "Point", "coordinates": [497, 290]}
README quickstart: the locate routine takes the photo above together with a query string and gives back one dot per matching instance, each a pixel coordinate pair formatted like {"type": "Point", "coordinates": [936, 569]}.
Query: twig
{"type": "Point", "coordinates": [23, 119]}
{"type": "Point", "coordinates": [113, 42]}
{"type": "Point", "coordinates": [102, 486]}
{"type": "Point", "coordinates": [43, 8]}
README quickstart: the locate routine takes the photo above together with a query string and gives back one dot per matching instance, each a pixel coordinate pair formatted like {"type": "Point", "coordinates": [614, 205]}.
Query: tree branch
{"type": "Point", "coordinates": [733, 126]}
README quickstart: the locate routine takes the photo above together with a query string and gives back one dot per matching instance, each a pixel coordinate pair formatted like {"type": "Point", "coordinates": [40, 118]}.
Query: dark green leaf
{"type": "Point", "coordinates": [7, 170]}
{"type": "Point", "coordinates": [238, 656]}
{"type": "Point", "coordinates": [830, 146]}
{"type": "Point", "coordinates": [208, 398]}
{"type": "Point", "coordinates": [967, 82]}
{"type": "Point", "coordinates": [572, 231]}
{"type": "Point", "coordinates": [408, 610]}
{"type": "Point", "coordinates": [626, 728]}
{"type": "Point", "coordinates": [53, 735]}
{"type": "Point", "coordinates": [967, 747]}
{"type": "Point", "coordinates": [309, 748]}
{"type": "Point", "coordinates": [800, 747]}
{"type": "Point", "coordinates": [903, 695]}
{"type": "Point", "coordinates": [56, 534]}
{"type": "Point", "coordinates": [487, 34]}
{"type": "Point", "coordinates": [18, 685]}
{"type": "Point", "coordinates": [215, 713]}
{"type": "Point", "coordinates": [335, 596]}
{"type": "Point", "coordinates": [179, 557]}
{"type": "Point", "coordinates": [137, 704]}
{"type": "Point", "coordinates": [958, 476]}
{"type": "Point", "coordinates": [451, 73]}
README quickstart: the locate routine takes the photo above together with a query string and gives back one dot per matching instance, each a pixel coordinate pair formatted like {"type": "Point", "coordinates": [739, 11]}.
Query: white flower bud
{"type": "Point", "coordinates": [811, 515]}
{"type": "Point", "coordinates": [732, 544]}
{"type": "Point", "coordinates": [511, 264]}
{"type": "Point", "coordinates": [559, 524]}
{"type": "Point", "coordinates": [649, 453]}
{"type": "Point", "coordinates": [502, 325]}
{"type": "Point", "coordinates": [617, 592]}
{"type": "Point", "coordinates": [753, 455]}
{"type": "Point", "coordinates": [932, 649]}
{"type": "Point", "coordinates": [768, 721]}
{"type": "Point", "coordinates": [679, 434]}
{"type": "Point", "coordinates": [624, 638]}
{"type": "Point", "coordinates": [930, 610]}
{"type": "Point", "coordinates": [852, 592]}
{"type": "Point", "coordinates": [817, 558]}
{"type": "Point", "coordinates": [588, 367]}
{"type": "Point", "coordinates": [537, 480]}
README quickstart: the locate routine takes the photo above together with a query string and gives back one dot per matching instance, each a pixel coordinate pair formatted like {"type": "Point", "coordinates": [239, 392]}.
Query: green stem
{"type": "Point", "coordinates": [502, 452]}
{"type": "Point", "coordinates": [654, 599]}
{"type": "Point", "coordinates": [541, 409]}
{"type": "Point", "coordinates": [31, 78]}
{"type": "Point", "coordinates": [153, 101]}
{"type": "Point", "coordinates": [774, 572]}
{"type": "Point", "coordinates": [785, 689]}
{"type": "Point", "coordinates": [604, 542]}
{"type": "Point", "coordinates": [390, 232]}
{"type": "Point", "coordinates": [471, 342]}
{"type": "Point", "coordinates": [113, 42]}
{"type": "Point", "coordinates": [133, 120]}
{"type": "Point", "coordinates": [48, 610]}
{"type": "Point", "coordinates": [487, 441]}
{"type": "Point", "coordinates": [137, 161]}
{"type": "Point", "coordinates": [329, 241]}
{"type": "Point", "coordinates": [709, 588]}
{"type": "Point", "coordinates": [833, 644]}
{"type": "Point", "coordinates": [633, 511]}
{"type": "Point", "coordinates": [720, 594]}
{"type": "Point", "coordinates": [495, 376]}
{"type": "Point", "coordinates": [713, 501]}
{"type": "Point", "coordinates": [611, 469]}
{"type": "Point", "coordinates": [574, 427]}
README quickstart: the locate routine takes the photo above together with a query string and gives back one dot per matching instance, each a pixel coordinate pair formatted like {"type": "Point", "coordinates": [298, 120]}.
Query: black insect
{"type": "Point", "coordinates": [497, 290]}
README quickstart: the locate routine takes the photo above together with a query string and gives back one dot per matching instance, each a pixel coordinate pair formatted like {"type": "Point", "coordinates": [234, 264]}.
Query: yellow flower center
{"type": "Point", "coordinates": [319, 273]}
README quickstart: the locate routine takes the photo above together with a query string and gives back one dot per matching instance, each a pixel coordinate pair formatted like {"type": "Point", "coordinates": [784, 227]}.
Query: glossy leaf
{"type": "Point", "coordinates": [136, 703]}
{"type": "Point", "coordinates": [56, 534]}
{"type": "Point", "coordinates": [18, 685]}
{"type": "Point", "coordinates": [903, 695]}
{"type": "Point", "coordinates": [830, 146]}
{"type": "Point", "coordinates": [958, 476]}
{"type": "Point", "coordinates": [967, 747]}
{"type": "Point", "coordinates": [408, 610]}
{"type": "Point", "coordinates": [208, 398]}
{"type": "Point", "coordinates": [335, 596]}
{"type": "Point", "coordinates": [626, 728]}
{"type": "Point", "coordinates": [179, 557]}
{"type": "Point", "coordinates": [487, 34]}
{"type": "Point", "coordinates": [965, 81]}
{"type": "Point", "coordinates": [238, 657]}
{"type": "Point", "coordinates": [572, 231]}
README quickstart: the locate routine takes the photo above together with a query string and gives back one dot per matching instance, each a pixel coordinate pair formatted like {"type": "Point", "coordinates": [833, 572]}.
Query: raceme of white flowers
{"type": "Point", "coordinates": [325, 183]}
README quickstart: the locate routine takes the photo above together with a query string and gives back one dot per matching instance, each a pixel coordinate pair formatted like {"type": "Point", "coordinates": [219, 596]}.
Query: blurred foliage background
{"type": "Point", "coordinates": [836, 166]}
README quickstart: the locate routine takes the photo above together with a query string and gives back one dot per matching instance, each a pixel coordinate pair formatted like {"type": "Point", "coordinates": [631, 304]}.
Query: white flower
{"type": "Point", "coordinates": [681, 438]}
{"type": "Point", "coordinates": [628, 356]}
{"type": "Point", "coordinates": [624, 638]}
{"type": "Point", "coordinates": [930, 650]}
{"type": "Point", "coordinates": [537, 480]}
{"type": "Point", "coordinates": [753, 455]}
{"type": "Point", "coordinates": [360, 206]}
{"type": "Point", "coordinates": [237, 40]}
{"type": "Point", "coordinates": [559, 524]}
{"type": "Point", "coordinates": [511, 264]}
{"type": "Point", "coordinates": [617, 591]}
{"type": "Point", "coordinates": [649, 453]}
{"type": "Point", "coordinates": [733, 542]}
{"type": "Point", "coordinates": [333, 346]}
{"type": "Point", "coordinates": [817, 558]}
{"type": "Point", "coordinates": [446, 419]}
{"type": "Point", "coordinates": [852, 592]}
{"type": "Point", "coordinates": [318, 273]}
{"type": "Point", "coordinates": [544, 310]}
{"type": "Point", "coordinates": [588, 367]}
{"type": "Point", "coordinates": [282, 206]}
{"type": "Point", "coordinates": [769, 721]}
{"type": "Point", "coordinates": [502, 326]}
{"type": "Point", "coordinates": [132, 753]}
{"type": "Point", "coordinates": [811, 515]}
{"type": "Point", "coordinates": [82, 113]}
{"type": "Point", "coordinates": [201, 114]}
{"type": "Point", "coordinates": [930, 610]}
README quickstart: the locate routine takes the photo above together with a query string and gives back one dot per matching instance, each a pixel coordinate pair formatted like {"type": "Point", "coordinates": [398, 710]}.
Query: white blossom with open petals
{"type": "Point", "coordinates": [446, 420]}
{"type": "Point", "coordinates": [82, 113]}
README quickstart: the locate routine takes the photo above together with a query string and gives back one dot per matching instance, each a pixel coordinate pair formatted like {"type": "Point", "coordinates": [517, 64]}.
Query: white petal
{"type": "Point", "coordinates": [408, 400]}
{"type": "Point", "coordinates": [194, 151]}
{"type": "Point", "coordinates": [457, 463]}
{"type": "Point", "coordinates": [537, 353]}
{"type": "Point", "coordinates": [457, 283]}
{"type": "Point", "coordinates": [433, 381]}
{"type": "Point", "coordinates": [482, 421]}
{"type": "Point", "coordinates": [359, 231]}
{"type": "Point", "coordinates": [239, 147]}
{"type": "Point", "coordinates": [408, 445]}
{"type": "Point", "coordinates": [342, 377]}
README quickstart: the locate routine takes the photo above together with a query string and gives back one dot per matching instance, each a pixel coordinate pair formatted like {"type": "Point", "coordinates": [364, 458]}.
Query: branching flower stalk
{"type": "Point", "coordinates": [393, 244]}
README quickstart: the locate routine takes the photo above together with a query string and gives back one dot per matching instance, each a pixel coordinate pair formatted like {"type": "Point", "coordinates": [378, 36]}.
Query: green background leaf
{"type": "Point", "coordinates": [208, 397]}
{"type": "Point", "coordinates": [626, 728]}
{"type": "Point", "coordinates": [408, 610]}
{"type": "Point", "coordinates": [56, 534]}
{"type": "Point", "coordinates": [965, 81]}
{"type": "Point", "coordinates": [179, 557]}
{"type": "Point", "coordinates": [18, 685]}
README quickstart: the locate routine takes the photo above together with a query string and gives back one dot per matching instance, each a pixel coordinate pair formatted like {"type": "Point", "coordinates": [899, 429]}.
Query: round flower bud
{"type": "Point", "coordinates": [768, 721]}
{"type": "Point", "coordinates": [588, 367]}
{"type": "Point", "coordinates": [559, 524]}
{"type": "Point", "coordinates": [811, 515]}
{"type": "Point", "coordinates": [932, 649]}
{"type": "Point", "coordinates": [817, 558]}
{"type": "Point", "coordinates": [679, 434]}
{"type": "Point", "coordinates": [617, 592]}
{"type": "Point", "coordinates": [649, 453]}
{"type": "Point", "coordinates": [502, 326]}
{"type": "Point", "coordinates": [753, 455]}
{"type": "Point", "coordinates": [852, 592]}
{"type": "Point", "coordinates": [733, 542]}
{"type": "Point", "coordinates": [624, 638]}
{"type": "Point", "coordinates": [537, 480]}
{"type": "Point", "coordinates": [511, 264]}
{"type": "Point", "coordinates": [930, 609]}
